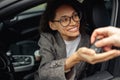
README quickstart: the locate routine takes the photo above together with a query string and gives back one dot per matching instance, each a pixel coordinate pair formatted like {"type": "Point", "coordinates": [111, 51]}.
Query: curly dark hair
{"type": "Point", "coordinates": [50, 13]}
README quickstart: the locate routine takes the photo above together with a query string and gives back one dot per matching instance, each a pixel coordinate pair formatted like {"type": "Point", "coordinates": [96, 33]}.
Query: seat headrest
{"type": "Point", "coordinates": [100, 15]}
{"type": "Point", "coordinates": [96, 12]}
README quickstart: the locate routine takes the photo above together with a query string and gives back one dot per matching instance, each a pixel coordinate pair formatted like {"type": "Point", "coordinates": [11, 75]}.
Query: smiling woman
{"type": "Point", "coordinates": [62, 34]}
{"type": "Point", "coordinates": [62, 28]}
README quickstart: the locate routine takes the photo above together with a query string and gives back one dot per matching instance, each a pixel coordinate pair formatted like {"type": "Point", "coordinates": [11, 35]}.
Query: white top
{"type": "Point", "coordinates": [71, 46]}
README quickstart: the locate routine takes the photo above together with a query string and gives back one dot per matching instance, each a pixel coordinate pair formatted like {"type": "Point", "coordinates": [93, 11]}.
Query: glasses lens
{"type": "Point", "coordinates": [75, 17]}
{"type": "Point", "coordinates": [65, 21]}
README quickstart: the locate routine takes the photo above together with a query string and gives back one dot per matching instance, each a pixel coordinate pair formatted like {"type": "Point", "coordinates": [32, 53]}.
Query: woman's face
{"type": "Point", "coordinates": [66, 22]}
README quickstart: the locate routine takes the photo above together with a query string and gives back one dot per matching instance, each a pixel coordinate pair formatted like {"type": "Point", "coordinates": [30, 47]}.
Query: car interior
{"type": "Point", "coordinates": [19, 32]}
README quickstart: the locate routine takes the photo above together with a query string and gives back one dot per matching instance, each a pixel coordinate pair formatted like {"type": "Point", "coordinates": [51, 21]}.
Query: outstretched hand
{"type": "Point", "coordinates": [90, 56]}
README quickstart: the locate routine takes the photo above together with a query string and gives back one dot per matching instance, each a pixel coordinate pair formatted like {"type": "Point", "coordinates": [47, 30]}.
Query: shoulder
{"type": "Point", "coordinates": [45, 39]}
{"type": "Point", "coordinates": [46, 35]}
{"type": "Point", "coordinates": [50, 36]}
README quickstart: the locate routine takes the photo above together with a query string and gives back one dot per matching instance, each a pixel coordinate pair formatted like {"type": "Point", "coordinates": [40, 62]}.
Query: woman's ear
{"type": "Point", "coordinates": [52, 25]}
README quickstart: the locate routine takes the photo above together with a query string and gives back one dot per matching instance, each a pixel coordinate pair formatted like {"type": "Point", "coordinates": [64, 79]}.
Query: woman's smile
{"type": "Point", "coordinates": [73, 29]}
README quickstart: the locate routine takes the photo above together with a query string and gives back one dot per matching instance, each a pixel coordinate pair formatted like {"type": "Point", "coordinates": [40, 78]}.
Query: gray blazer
{"type": "Point", "coordinates": [53, 55]}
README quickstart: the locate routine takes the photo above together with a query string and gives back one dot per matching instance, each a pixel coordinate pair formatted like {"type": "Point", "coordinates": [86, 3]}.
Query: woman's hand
{"type": "Point", "coordinates": [90, 56]}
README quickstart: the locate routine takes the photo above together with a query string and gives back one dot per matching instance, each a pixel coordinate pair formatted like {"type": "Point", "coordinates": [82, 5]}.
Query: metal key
{"type": "Point", "coordinates": [97, 49]}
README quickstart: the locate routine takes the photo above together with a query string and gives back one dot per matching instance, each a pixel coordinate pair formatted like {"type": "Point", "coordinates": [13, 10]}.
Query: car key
{"type": "Point", "coordinates": [97, 49]}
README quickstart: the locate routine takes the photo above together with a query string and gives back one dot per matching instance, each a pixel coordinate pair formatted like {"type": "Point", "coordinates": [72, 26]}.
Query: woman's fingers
{"type": "Point", "coordinates": [89, 55]}
{"type": "Point", "coordinates": [106, 56]}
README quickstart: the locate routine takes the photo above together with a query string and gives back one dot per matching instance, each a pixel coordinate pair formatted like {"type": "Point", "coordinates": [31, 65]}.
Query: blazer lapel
{"type": "Point", "coordinates": [60, 46]}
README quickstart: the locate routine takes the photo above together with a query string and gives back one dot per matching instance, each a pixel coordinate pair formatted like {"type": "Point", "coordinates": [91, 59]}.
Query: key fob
{"type": "Point", "coordinates": [97, 49]}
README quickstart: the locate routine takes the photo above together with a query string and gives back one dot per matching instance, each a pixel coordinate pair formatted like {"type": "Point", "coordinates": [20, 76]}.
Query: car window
{"type": "Point", "coordinates": [34, 11]}
{"type": "Point", "coordinates": [38, 8]}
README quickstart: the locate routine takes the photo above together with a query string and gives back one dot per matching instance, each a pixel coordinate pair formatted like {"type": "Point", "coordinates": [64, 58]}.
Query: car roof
{"type": "Point", "coordinates": [5, 3]}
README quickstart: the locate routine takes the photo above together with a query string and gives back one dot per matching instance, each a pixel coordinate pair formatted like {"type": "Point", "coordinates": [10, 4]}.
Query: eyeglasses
{"type": "Point", "coordinates": [66, 20]}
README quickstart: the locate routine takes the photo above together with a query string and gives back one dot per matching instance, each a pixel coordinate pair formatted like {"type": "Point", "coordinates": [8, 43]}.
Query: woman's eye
{"type": "Point", "coordinates": [65, 19]}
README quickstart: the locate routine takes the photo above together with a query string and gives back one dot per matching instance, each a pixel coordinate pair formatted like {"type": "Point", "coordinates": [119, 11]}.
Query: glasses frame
{"type": "Point", "coordinates": [70, 17]}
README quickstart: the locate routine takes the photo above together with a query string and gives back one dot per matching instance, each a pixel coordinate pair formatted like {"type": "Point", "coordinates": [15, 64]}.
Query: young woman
{"type": "Point", "coordinates": [63, 42]}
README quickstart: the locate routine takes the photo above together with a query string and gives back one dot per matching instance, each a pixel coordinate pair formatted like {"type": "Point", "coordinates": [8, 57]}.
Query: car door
{"type": "Point", "coordinates": [19, 23]}
{"type": "Point", "coordinates": [27, 24]}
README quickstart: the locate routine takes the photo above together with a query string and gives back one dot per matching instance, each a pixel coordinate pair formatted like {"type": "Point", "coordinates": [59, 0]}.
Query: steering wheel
{"type": "Point", "coordinates": [6, 68]}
